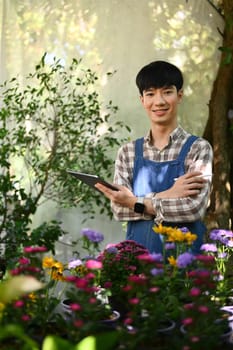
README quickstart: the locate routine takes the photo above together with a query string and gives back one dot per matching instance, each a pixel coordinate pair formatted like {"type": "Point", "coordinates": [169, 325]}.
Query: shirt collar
{"type": "Point", "coordinates": [175, 134]}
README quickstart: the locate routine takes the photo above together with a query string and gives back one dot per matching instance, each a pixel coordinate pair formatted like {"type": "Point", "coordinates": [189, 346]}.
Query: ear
{"type": "Point", "coordinates": [141, 99]}
{"type": "Point", "coordinates": [180, 94]}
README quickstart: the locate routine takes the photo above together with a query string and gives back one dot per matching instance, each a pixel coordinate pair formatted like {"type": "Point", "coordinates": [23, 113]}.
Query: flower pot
{"type": "Point", "coordinates": [225, 337]}
{"type": "Point", "coordinates": [118, 305]}
{"type": "Point", "coordinates": [111, 322]}
{"type": "Point", "coordinates": [166, 327]}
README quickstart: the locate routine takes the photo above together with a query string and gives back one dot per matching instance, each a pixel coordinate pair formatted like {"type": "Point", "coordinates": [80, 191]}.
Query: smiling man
{"type": "Point", "coordinates": [164, 177]}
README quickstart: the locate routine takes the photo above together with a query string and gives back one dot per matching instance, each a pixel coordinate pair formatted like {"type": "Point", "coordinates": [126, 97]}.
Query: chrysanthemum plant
{"type": "Point", "coordinates": [155, 288]}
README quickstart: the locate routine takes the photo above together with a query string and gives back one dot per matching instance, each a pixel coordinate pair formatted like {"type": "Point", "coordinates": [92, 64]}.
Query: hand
{"type": "Point", "coordinates": [123, 196]}
{"type": "Point", "coordinates": [189, 184]}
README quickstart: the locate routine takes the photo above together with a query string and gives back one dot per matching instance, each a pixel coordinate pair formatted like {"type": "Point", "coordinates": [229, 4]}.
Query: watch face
{"type": "Point", "coordinates": [139, 208]}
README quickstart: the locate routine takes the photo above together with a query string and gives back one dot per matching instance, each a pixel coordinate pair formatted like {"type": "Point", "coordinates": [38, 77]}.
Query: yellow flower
{"type": "Point", "coordinates": [172, 261]}
{"type": "Point", "coordinates": [174, 234]}
{"type": "Point", "coordinates": [57, 276]}
{"type": "Point", "coordinates": [81, 270]}
{"type": "Point", "coordinates": [48, 262]}
{"type": "Point", "coordinates": [160, 229]}
{"type": "Point", "coordinates": [32, 297]}
{"type": "Point", "coordinates": [58, 266]}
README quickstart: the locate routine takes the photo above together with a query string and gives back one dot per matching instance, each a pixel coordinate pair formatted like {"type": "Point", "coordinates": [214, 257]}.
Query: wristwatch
{"type": "Point", "coordinates": [139, 206]}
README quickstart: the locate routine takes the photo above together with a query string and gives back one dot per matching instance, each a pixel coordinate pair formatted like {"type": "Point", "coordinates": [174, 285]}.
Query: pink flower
{"type": "Point", "coordinates": [195, 292]}
{"type": "Point", "coordinates": [94, 264]}
{"type": "Point", "coordinates": [132, 268]}
{"type": "Point", "coordinates": [188, 306]}
{"type": "Point", "coordinates": [154, 289]}
{"type": "Point", "coordinates": [92, 300]}
{"type": "Point", "coordinates": [75, 307]}
{"type": "Point", "coordinates": [18, 303]}
{"type": "Point", "coordinates": [203, 309]}
{"type": "Point", "coordinates": [24, 261]}
{"type": "Point", "coordinates": [206, 259]}
{"type": "Point", "coordinates": [138, 279]}
{"type": "Point", "coordinates": [90, 275]}
{"type": "Point", "coordinates": [25, 318]}
{"type": "Point", "coordinates": [31, 249]}
{"type": "Point", "coordinates": [195, 339]}
{"type": "Point", "coordinates": [134, 301]}
{"type": "Point", "coordinates": [126, 288]}
{"type": "Point", "coordinates": [128, 321]}
{"type": "Point", "coordinates": [78, 323]}
{"type": "Point", "coordinates": [81, 283]}
{"type": "Point", "coordinates": [108, 284]}
{"type": "Point", "coordinates": [187, 321]}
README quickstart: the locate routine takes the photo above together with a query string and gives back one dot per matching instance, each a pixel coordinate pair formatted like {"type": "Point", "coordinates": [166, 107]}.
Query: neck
{"type": "Point", "coordinates": [160, 135]}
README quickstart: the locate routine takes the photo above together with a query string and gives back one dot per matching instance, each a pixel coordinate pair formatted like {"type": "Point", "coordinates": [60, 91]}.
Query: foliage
{"type": "Point", "coordinates": [55, 123]}
{"type": "Point", "coordinates": [119, 262]}
{"type": "Point", "coordinates": [150, 285]}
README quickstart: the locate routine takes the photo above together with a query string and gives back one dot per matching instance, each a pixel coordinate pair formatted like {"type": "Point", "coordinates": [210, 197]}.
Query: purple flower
{"type": "Point", "coordinates": [112, 250]}
{"type": "Point", "coordinates": [156, 272]}
{"type": "Point", "coordinates": [92, 235]}
{"type": "Point", "coordinates": [158, 257]}
{"type": "Point", "coordinates": [222, 255]}
{"type": "Point", "coordinates": [74, 263]}
{"type": "Point", "coordinates": [169, 246]}
{"type": "Point", "coordinates": [185, 259]}
{"type": "Point", "coordinates": [209, 247]}
{"type": "Point", "coordinates": [184, 229]}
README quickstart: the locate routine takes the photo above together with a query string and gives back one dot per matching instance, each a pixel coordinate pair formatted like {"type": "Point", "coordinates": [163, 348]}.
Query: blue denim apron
{"type": "Point", "coordinates": [150, 176]}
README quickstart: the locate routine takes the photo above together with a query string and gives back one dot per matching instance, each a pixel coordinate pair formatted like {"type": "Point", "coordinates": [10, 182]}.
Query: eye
{"type": "Point", "coordinates": [168, 92]}
{"type": "Point", "coordinates": [149, 94]}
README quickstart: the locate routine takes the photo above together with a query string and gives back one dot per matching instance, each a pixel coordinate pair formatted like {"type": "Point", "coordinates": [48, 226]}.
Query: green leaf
{"type": "Point", "coordinates": [53, 342]}
{"type": "Point", "coordinates": [103, 341]}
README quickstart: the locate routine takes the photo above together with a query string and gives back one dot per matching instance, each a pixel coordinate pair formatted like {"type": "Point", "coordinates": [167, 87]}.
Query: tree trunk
{"type": "Point", "coordinates": [218, 131]}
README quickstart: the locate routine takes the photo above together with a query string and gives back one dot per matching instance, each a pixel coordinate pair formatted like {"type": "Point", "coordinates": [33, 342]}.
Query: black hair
{"type": "Point", "coordinates": [159, 74]}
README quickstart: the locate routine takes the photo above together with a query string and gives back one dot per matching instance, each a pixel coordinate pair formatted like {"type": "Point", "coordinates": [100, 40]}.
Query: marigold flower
{"type": "Point", "coordinates": [172, 261]}
{"type": "Point", "coordinates": [48, 262]}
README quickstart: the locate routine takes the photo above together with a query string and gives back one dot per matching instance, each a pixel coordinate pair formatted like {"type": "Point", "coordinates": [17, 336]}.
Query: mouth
{"type": "Point", "coordinates": [160, 112]}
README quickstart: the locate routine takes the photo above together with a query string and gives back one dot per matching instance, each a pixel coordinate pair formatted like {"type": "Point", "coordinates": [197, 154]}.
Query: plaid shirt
{"type": "Point", "coordinates": [187, 209]}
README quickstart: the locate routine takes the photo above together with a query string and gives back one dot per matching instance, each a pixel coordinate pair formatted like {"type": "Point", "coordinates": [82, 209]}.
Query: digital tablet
{"type": "Point", "coordinates": [90, 180]}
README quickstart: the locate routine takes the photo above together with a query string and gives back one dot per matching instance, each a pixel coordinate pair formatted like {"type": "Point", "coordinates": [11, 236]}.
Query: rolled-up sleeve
{"type": "Point", "coordinates": [189, 209]}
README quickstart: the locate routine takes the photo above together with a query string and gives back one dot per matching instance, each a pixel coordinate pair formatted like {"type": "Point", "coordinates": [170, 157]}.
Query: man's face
{"type": "Point", "coordinates": [161, 104]}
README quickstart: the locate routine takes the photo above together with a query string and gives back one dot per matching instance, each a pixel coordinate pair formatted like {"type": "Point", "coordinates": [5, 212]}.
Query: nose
{"type": "Point", "coordinates": [159, 99]}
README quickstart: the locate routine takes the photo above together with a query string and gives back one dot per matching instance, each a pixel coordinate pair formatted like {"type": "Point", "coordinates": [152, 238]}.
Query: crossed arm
{"type": "Point", "coordinates": [193, 187]}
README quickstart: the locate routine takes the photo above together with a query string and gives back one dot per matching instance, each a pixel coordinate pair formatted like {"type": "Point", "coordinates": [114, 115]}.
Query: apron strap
{"type": "Point", "coordinates": [139, 147]}
{"type": "Point", "coordinates": [186, 147]}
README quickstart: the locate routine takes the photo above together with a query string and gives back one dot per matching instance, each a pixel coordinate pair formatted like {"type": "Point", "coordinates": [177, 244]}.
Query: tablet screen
{"type": "Point", "coordinates": [91, 180]}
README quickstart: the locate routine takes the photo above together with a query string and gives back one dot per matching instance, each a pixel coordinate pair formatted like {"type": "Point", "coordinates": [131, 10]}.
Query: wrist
{"type": "Point", "coordinates": [139, 206]}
